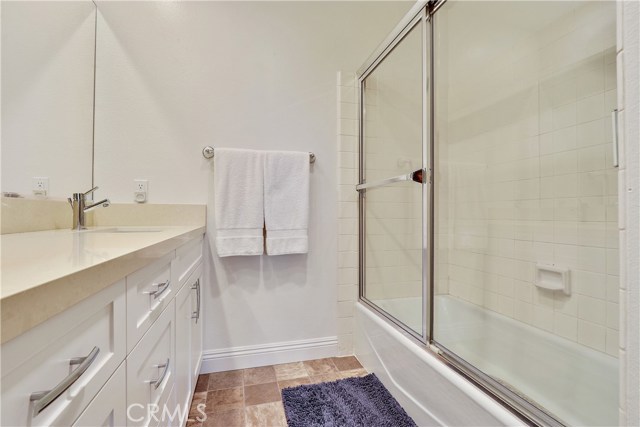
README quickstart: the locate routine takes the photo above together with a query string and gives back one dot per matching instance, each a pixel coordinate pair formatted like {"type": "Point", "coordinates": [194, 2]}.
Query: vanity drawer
{"type": "Point", "coordinates": [149, 291]}
{"type": "Point", "coordinates": [187, 258]}
{"type": "Point", "coordinates": [69, 358]}
{"type": "Point", "coordinates": [109, 407]}
{"type": "Point", "coordinates": [151, 369]}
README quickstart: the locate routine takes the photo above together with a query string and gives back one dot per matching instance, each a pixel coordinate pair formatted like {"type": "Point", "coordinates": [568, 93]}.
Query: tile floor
{"type": "Point", "coordinates": [251, 397]}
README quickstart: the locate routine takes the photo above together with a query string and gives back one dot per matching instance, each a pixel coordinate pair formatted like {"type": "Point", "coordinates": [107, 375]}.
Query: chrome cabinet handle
{"type": "Point", "coordinates": [162, 287]}
{"type": "Point", "coordinates": [196, 314]}
{"type": "Point", "coordinates": [42, 399]}
{"type": "Point", "coordinates": [156, 383]}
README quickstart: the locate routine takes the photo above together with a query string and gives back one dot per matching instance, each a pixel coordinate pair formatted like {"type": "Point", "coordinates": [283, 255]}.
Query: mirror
{"type": "Point", "coordinates": [48, 53]}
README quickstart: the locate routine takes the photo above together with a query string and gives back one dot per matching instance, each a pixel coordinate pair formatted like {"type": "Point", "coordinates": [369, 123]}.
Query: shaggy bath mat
{"type": "Point", "coordinates": [361, 402]}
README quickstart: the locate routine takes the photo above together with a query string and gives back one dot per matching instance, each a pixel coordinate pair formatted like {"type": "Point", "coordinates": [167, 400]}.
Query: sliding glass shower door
{"type": "Point", "coordinates": [488, 198]}
{"type": "Point", "coordinates": [392, 193]}
{"type": "Point", "coordinates": [527, 201]}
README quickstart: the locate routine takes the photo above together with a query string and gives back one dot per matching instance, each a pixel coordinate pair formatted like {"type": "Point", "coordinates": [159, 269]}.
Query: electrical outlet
{"type": "Point", "coordinates": [40, 185]}
{"type": "Point", "coordinates": [140, 188]}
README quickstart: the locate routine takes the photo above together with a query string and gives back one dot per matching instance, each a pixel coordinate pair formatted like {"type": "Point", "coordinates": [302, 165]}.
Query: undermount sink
{"type": "Point", "coordinates": [125, 230]}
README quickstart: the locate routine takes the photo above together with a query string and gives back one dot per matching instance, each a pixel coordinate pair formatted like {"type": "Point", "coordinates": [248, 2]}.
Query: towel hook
{"type": "Point", "coordinates": [208, 152]}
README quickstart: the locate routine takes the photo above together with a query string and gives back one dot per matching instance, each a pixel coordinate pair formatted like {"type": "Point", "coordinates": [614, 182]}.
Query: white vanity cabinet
{"type": "Point", "coordinates": [189, 341]}
{"type": "Point", "coordinates": [52, 372]}
{"type": "Point", "coordinates": [125, 356]}
{"type": "Point", "coordinates": [149, 291]}
{"type": "Point", "coordinates": [196, 326]}
{"type": "Point", "coordinates": [151, 370]}
{"type": "Point", "coordinates": [109, 407]}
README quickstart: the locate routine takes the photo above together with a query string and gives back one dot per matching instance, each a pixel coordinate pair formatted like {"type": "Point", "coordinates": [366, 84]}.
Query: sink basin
{"type": "Point", "coordinates": [126, 230]}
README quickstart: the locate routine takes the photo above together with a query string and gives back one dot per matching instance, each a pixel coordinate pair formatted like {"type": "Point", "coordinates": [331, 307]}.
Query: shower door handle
{"type": "Point", "coordinates": [418, 176]}
{"type": "Point", "coordinates": [614, 125]}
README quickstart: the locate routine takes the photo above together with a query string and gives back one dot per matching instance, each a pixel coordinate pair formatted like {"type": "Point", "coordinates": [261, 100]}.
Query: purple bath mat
{"type": "Point", "coordinates": [361, 402]}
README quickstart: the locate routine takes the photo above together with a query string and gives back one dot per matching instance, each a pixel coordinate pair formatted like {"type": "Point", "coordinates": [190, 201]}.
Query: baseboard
{"type": "Point", "coordinates": [227, 359]}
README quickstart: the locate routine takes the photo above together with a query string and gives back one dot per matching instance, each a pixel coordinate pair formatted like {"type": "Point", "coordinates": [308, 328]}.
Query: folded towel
{"type": "Point", "coordinates": [286, 208]}
{"type": "Point", "coordinates": [239, 210]}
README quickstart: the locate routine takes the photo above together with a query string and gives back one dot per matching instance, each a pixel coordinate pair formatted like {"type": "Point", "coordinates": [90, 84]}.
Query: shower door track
{"type": "Point", "coordinates": [515, 402]}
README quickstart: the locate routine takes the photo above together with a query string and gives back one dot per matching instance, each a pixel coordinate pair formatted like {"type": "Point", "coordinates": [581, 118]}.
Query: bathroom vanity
{"type": "Point", "coordinates": [101, 327]}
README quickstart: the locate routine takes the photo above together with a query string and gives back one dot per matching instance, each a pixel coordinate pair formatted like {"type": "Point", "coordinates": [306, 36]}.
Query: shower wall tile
{"type": "Point", "coordinates": [612, 342]}
{"type": "Point", "coordinates": [566, 326]}
{"type": "Point", "coordinates": [347, 209]}
{"type": "Point", "coordinates": [526, 178]}
{"type": "Point", "coordinates": [592, 335]}
{"type": "Point", "coordinates": [347, 293]}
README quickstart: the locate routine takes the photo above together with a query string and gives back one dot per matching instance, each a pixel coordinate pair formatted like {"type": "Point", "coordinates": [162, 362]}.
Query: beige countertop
{"type": "Point", "coordinates": [45, 272]}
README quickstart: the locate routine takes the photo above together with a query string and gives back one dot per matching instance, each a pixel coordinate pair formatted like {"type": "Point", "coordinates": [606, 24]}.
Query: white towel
{"type": "Point", "coordinates": [286, 207]}
{"type": "Point", "coordinates": [239, 210]}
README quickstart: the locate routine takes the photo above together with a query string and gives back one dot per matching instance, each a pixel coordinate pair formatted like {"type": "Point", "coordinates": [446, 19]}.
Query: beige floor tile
{"type": "Point", "coordinates": [294, 382]}
{"type": "Point", "coordinates": [234, 418]}
{"type": "Point", "coordinates": [199, 398]}
{"type": "Point", "coordinates": [227, 379]}
{"type": "Point", "coordinates": [252, 397]}
{"type": "Point", "coordinates": [203, 383]}
{"type": "Point", "coordinates": [261, 393]}
{"type": "Point", "coordinates": [347, 363]}
{"type": "Point", "coordinates": [290, 371]}
{"type": "Point", "coordinates": [264, 374]}
{"type": "Point", "coordinates": [354, 373]}
{"type": "Point", "coordinates": [266, 415]}
{"type": "Point", "coordinates": [224, 400]}
{"type": "Point", "coordinates": [325, 378]}
{"type": "Point", "coordinates": [320, 367]}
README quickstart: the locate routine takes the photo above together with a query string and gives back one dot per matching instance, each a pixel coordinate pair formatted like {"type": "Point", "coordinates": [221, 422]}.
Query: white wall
{"type": "Point", "coordinates": [174, 77]}
{"type": "Point", "coordinates": [47, 95]}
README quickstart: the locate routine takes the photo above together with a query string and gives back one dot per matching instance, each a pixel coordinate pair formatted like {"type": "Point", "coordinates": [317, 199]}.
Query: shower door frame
{"type": "Point", "coordinates": [423, 12]}
{"type": "Point", "coordinates": [419, 14]}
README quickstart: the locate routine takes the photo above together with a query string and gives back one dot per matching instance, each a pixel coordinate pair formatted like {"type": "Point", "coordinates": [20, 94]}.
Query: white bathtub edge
{"type": "Point", "coordinates": [487, 403]}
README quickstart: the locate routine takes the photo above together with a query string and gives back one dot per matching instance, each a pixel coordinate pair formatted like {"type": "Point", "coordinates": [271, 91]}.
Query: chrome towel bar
{"type": "Point", "coordinates": [208, 152]}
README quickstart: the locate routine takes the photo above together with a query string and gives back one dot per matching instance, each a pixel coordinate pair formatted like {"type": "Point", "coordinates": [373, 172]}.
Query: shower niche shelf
{"type": "Point", "coordinates": [553, 278]}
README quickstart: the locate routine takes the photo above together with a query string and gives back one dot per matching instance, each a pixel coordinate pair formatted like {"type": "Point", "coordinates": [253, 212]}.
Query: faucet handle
{"type": "Point", "coordinates": [92, 190]}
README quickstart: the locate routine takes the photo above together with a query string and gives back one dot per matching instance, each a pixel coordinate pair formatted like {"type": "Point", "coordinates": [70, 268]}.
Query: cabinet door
{"type": "Point", "coordinates": [184, 313]}
{"type": "Point", "coordinates": [151, 370]}
{"type": "Point", "coordinates": [53, 371]}
{"type": "Point", "coordinates": [109, 407]}
{"type": "Point", "coordinates": [195, 285]}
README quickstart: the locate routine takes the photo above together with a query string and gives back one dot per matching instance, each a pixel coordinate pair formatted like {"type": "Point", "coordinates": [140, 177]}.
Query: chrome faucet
{"type": "Point", "coordinates": [79, 208]}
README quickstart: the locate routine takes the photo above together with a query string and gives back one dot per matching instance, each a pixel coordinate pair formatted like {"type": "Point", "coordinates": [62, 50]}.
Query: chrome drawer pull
{"type": "Point", "coordinates": [156, 383]}
{"type": "Point", "coordinates": [196, 314]}
{"type": "Point", "coordinates": [162, 287]}
{"type": "Point", "coordinates": [42, 399]}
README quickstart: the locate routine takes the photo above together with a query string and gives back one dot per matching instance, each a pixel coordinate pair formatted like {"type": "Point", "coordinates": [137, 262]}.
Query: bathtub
{"type": "Point", "coordinates": [577, 384]}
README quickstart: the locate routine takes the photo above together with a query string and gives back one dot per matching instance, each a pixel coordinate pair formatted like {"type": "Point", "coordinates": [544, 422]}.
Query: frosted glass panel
{"type": "Point", "coordinates": [526, 184]}
{"type": "Point", "coordinates": [393, 121]}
